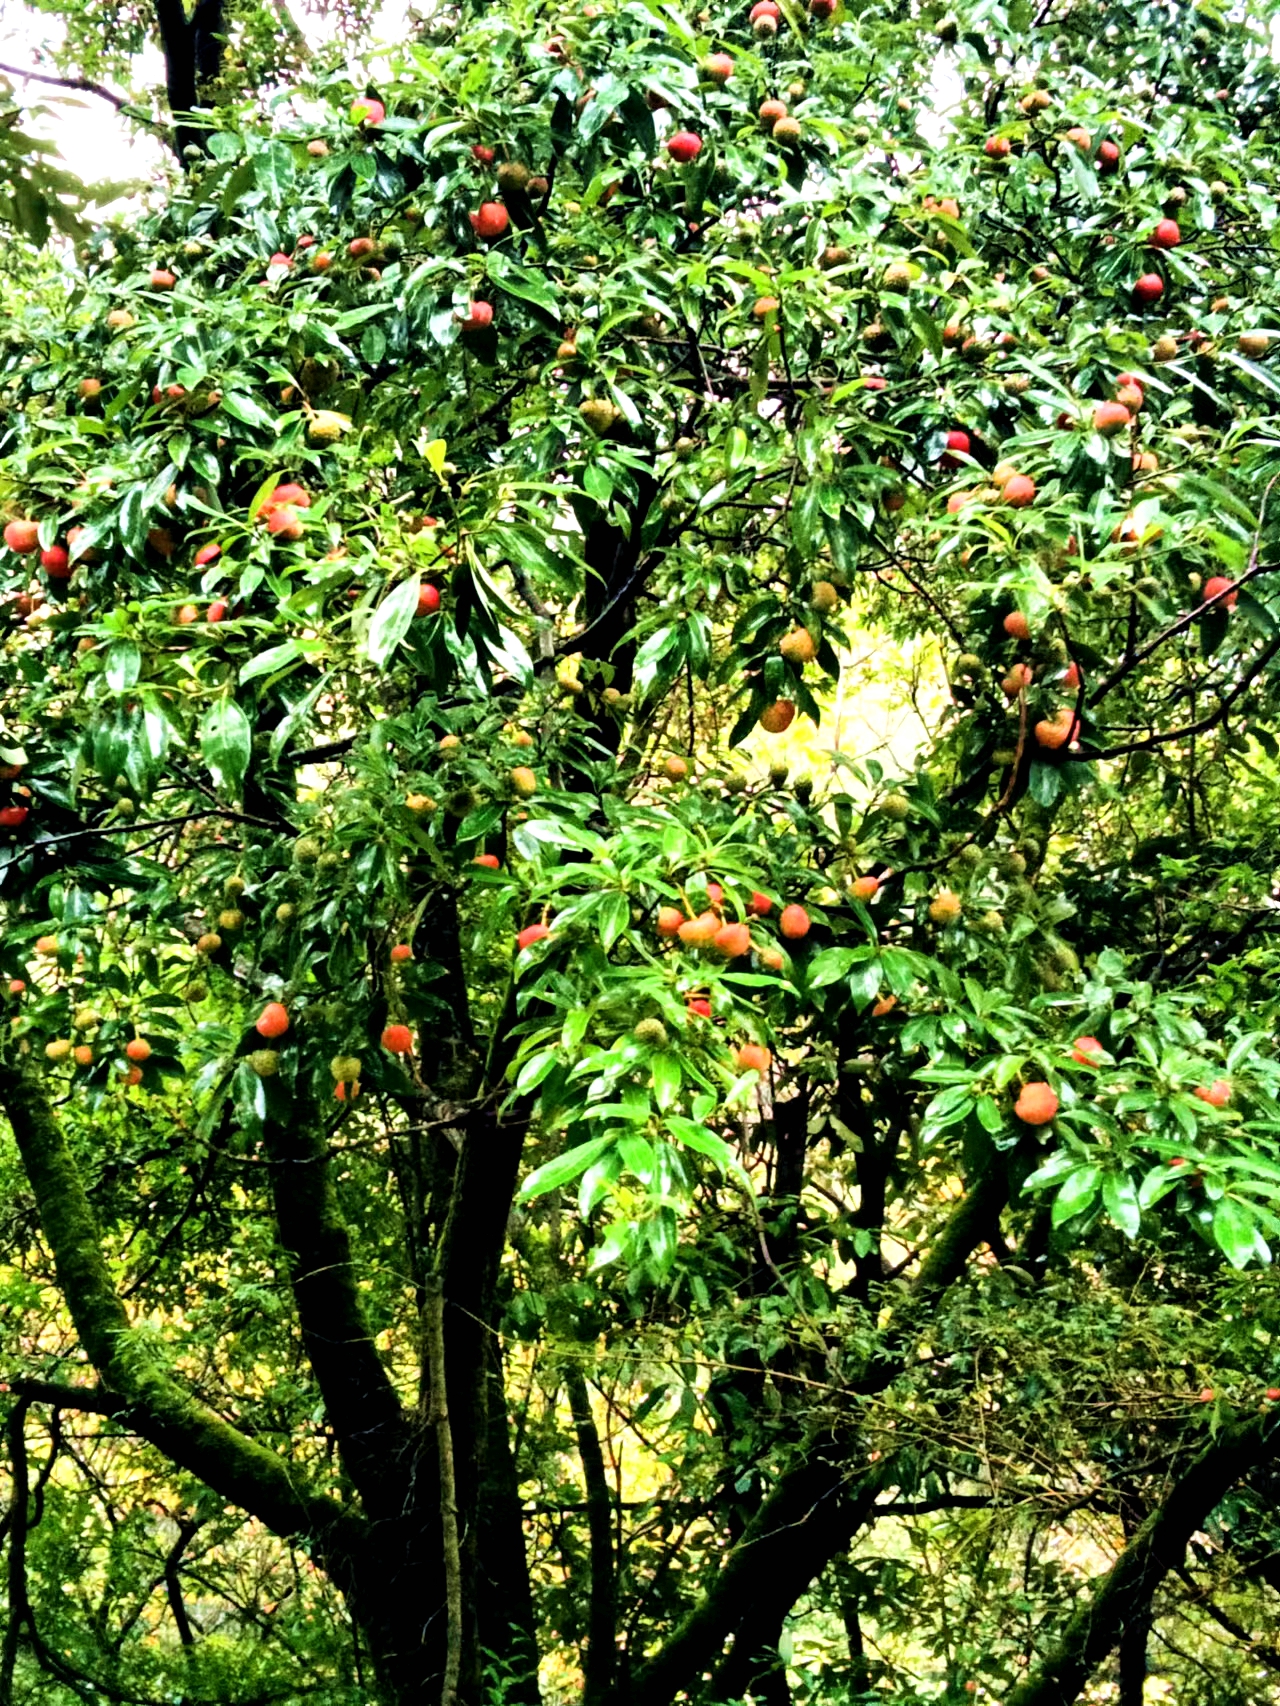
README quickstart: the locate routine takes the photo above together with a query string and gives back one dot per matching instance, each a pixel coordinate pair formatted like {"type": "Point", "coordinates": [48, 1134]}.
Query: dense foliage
{"type": "Point", "coordinates": [447, 957]}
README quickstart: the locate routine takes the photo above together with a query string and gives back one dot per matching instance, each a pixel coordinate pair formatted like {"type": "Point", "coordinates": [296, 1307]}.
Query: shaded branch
{"type": "Point", "coordinates": [601, 1623]}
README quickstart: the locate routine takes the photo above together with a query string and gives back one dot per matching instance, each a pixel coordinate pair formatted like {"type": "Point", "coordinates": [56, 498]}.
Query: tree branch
{"type": "Point", "coordinates": [601, 1623]}
{"type": "Point", "coordinates": [153, 1403]}
{"type": "Point", "coordinates": [82, 83]}
{"type": "Point", "coordinates": [1157, 1547]}
{"type": "Point", "coordinates": [17, 1576]}
{"type": "Point", "coordinates": [434, 1319]}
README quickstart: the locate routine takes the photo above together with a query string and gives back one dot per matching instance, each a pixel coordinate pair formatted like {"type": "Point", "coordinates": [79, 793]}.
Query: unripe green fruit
{"type": "Point", "coordinates": [85, 1018]}
{"type": "Point", "coordinates": [992, 923]}
{"type": "Point", "coordinates": [265, 1062]}
{"type": "Point", "coordinates": [345, 1068]}
{"type": "Point", "coordinates": [803, 789]}
{"type": "Point", "coordinates": [306, 850]}
{"type": "Point", "coordinates": [778, 774]}
{"type": "Point", "coordinates": [1013, 864]}
{"type": "Point", "coordinates": [971, 854]}
{"type": "Point", "coordinates": [284, 913]}
{"type": "Point", "coordinates": [735, 783]}
{"type": "Point", "coordinates": [233, 888]}
{"type": "Point", "coordinates": [652, 1032]}
{"type": "Point", "coordinates": [231, 920]}
{"type": "Point", "coordinates": [896, 807]}
{"type": "Point", "coordinates": [196, 992]}
{"type": "Point", "coordinates": [966, 664]}
{"type": "Point", "coordinates": [328, 861]}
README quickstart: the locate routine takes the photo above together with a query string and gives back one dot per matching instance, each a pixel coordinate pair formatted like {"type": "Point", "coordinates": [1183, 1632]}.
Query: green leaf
{"type": "Point", "coordinates": [1120, 1199]}
{"type": "Point", "coordinates": [1078, 1190]}
{"type": "Point", "coordinates": [1236, 1233]}
{"type": "Point", "coordinates": [226, 741]}
{"type": "Point", "coordinates": [565, 1167]}
{"type": "Point", "coordinates": [520, 281]}
{"type": "Point", "coordinates": [123, 665]}
{"type": "Point", "coordinates": [829, 966]}
{"type": "Point", "coordinates": [392, 620]}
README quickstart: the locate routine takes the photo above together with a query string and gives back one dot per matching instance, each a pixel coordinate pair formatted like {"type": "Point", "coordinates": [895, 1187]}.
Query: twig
{"type": "Point", "coordinates": [81, 83]}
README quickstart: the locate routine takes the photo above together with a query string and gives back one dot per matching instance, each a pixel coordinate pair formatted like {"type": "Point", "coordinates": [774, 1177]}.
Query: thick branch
{"type": "Point", "coordinates": [187, 1433]}
{"type": "Point", "coordinates": [1124, 1592]}
{"type": "Point", "coordinates": [17, 1582]}
{"type": "Point", "coordinates": [601, 1624]}
{"type": "Point", "coordinates": [434, 1318]}
{"type": "Point", "coordinates": [360, 1401]}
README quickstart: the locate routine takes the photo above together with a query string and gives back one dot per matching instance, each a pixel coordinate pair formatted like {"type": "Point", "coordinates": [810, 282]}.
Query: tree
{"type": "Point", "coordinates": [429, 535]}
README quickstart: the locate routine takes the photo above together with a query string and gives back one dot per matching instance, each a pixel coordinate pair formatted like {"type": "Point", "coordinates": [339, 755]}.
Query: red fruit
{"type": "Point", "coordinates": [365, 110]}
{"type": "Point", "coordinates": [764, 9]}
{"type": "Point", "coordinates": [490, 861]}
{"type": "Point", "coordinates": [684, 146]}
{"type": "Point", "coordinates": [718, 67]}
{"type": "Point", "coordinates": [285, 523]}
{"type": "Point", "coordinates": [715, 895]}
{"type": "Point", "coordinates": [321, 261]}
{"type": "Point", "coordinates": [1019, 491]}
{"type": "Point", "coordinates": [133, 1075]}
{"type": "Point", "coordinates": [273, 1021]}
{"type": "Point", "coordinates": [1055, 732]}
{"type": "Point", "coordinates": [1016, 626]}
{"type": "Point", "coordinates": [305, 242]}
{"type": "Point", "coordinates": [359, 247]}
{"type": "Point", "coordinates": [760, 905]}
{"type": "Point", "coordinates": [1166, 235]}
{"type": "Point", "coordinates": [670, 918]}
{"type": "Point", "coordinates": [1217, 1094]}
{"type": "Point", "coordinates": [13, 817]}
{"type": "Point", "coordinates": [398, 1039]}
{"type": "Point", "coordinates": [217, 611]}
{"type": "Point", "coordinates": [17, 986]}
{"type": "Point", "coordinates": [1085, 1051]}
{"type": "Point", "coordinates": [162, 279]}
{"type": "Point", "coordinates": [699, 1005]}
{"type": "Point", "coordinates": [532, 933]}
{"type": "Point", "coordinates": [753, 1057]}
{"type": "Point", "coordinates": [346, 1092]}
{"type": "Point", "coordinates": [187, 614]}
{"type": "Point", "coordinates": [289, 493]}
{"type": "Point", "coordinates": [491, 221]}
{"type": "Point", "coordinates": [875, 382]}
{"type": "Point", "coordinates": [400, 953]}
{"type": "Point", "coordinates": [1037, 1103]}
{"type": "Point", "coordinates": [1272, 1393]}
{"type": "Point", "coordinates": [1205, 1395]}
{"type": "Point", "coordinates": [697, 932]}
{"type": "Point", "coordinates": [1108, 155]}
{"type": "Point", "coordinates": [997, 147]}
{"type": "Point", "coordinates": [793, 922]}
{"type": "Point", "coordinates": [428, 600]}
{"type": "Point", "coordinates": [483, 154]}
{"type": "Point", "coordinates": [22, 536]}
{"type": "Point", "coordinates": [732, 940]}
{"type": "Point", "coordinates": [1110, 418]}
{"type": "Point", "coordinates": [56, 563]}
{"type": "Point", "coordinates": [280, 259]}
{"type": "Point", "coordinates": [958, 441]}
{"type": "Point", "coordinates": [1148, 289]}
{"type": "Point", "coordinates": [1219, 584]}
{"type": "Point", "coordinates": [1071, 676]}
{"type": "Point", "coordinates": [865, 888]}
{"type": "Point", "coordinates": [821, 9]}
{"type": "Point", "coordinates": [207, 554]}
{"type": "Point", "coordinates": [481, 315]}
{"type": "Point", "coordinates": [138, 1049]}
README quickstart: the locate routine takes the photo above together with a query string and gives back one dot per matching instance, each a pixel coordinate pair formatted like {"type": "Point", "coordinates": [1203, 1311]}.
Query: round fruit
{"type": "Point", "coordinates": [697, 932]}
{"type": "Point", "coordinates": [488, 861]}
{"type": "Point", "coordinates": [162, 279]}
{"type": "Point", "coordinates": [138, 1049]}
{"type": "Point", "coordinates": [786, 130]}
{"type": "Point", "coordinates": [479, 315]}
{"type": "Point", "coordinates": [760, 905]}
{"type": "Point", "coordinates": [732, 940]}
{"type": "Point", "coordinates": [771, 112]}
{"type": "Point", "coordinates": [1253, 344]}
{"type": "Point", "coordinates": [793, 922]}
{"type": "Point", "coordinates": [763, 306]}
{"type": "Point", "coordinates": [945, 907]}
{"type": "Point", "coordinates": [265, 1062]}
{"type": "Point", "coordinates": [524, 783]}
{"type": "Point", "coordinates": [1110, 418]}
{"type": "Point", "coordinates": [273, 1021]}
{"type": "Point", "coordinates": [865, 888]}
{"type": "Point", "coordinates": [82, 1055]}
{"type": "Point", "coordinates": [1217, 1094]}
{"type": "Point", "coordinates": [345, 1068]}
{"type": "Point", "coordinates": [1148, 289]}
{"type": "Point", "coordinates": [1166, 235]}
{"type": "Point", "coordinates": [717, 68]}
{"type": "Point", "coordinates": [670, 918]}
{"type": "Point", "coordinates": [398, 1039]}
{"type": "Point", "coordinates": [400, 953]}
{"type": "Point", "coordinates": [698, 1007]}
{"type": "Point", "coordinates": [1016, 626]}
{"type": "Point", "coordinates": [684, 146]}
{"type": "Point", "coordinates": [46, 945]}
{"type": "Point", "coordinates": [1108, 155]}
{"type": "Point", "coordinates": [651, 1032]}
{"type": "Point", "coordinates": [1037, 1103]}
{"type": "Point", "coordinates": [823, 597]}
{"type": "Point", "coordinates": [778, 717]}
{"type": "Point", "coordinates": [1054, 732]}
{"type": "Point", "coordinates": [753, 1057]}
{"type": "Point", "coordinates": [13, 817]}
{"type": "Point", "coordinates": [428, 600]}
{"type": "Point", "coordinates": [896, 807]}
{"type": "Point", "coordinates": [365, 110]}
{"type": "Point", "coordinates": [209, 943]}
{"type": "Point", "coordinates": [599, 414]}
{"type": "Point", "coordinates": [532, 933]}
{"type": "Point", "coordinates": [231, 920]}
{"type": "Point", "coordinates": [797, 646]}
{"type": "Point", "coordinates": [1086, 1050]}
{"type": "Point", "coordinates": [490, 221]}
{"type": "Point", "coordinates": [1220, 588]}
{"type": "Point", "coordinates": [22, 536]}
{"type": "Point", "coordinates": [675, 769]}
{"type": "Point", "coordinates": [1019, 491]}
{"type": "Point", "coordinates": [997, 148]}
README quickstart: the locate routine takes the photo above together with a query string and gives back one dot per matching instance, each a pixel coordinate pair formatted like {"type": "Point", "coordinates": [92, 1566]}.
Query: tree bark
{"type": "Point", "coordinates": [601, 1624]}
{"type": "Point", "coordinates": [1122, 1596]}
